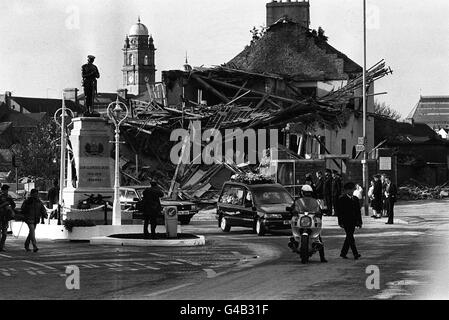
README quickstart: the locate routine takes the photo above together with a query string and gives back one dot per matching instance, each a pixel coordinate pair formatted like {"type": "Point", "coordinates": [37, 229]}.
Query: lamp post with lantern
{"type": "Point", "coordinates": [118, 112]}
{"type": "Point", "coordinates": [60, 119]}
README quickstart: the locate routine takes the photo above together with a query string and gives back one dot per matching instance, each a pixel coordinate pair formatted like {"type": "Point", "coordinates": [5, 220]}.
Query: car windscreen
{"type": "Point", "coordinates": [272, 196]}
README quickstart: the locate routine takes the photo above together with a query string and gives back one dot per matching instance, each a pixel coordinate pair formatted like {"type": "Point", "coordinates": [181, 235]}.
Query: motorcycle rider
{"type": "Point", "coordinates": [309, 204]}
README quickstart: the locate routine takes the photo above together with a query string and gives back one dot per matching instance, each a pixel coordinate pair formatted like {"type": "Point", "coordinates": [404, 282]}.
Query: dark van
{"type": "Point", "coordinates": [262, 207]}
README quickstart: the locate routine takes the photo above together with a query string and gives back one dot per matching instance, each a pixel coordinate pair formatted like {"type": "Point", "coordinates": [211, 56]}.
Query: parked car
{"type": "Point", "coordinates": [129, 196]}
{"type": "Point", "coordinates": [262, 207]}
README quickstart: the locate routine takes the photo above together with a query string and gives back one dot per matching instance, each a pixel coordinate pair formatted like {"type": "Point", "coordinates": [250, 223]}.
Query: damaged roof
{"type": "Point", "coordinates": [405, 133]}
{"type": "Point", "coordinates": [289, 49]}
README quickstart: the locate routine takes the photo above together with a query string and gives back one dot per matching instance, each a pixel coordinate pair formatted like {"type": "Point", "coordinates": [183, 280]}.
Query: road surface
{"type": "Point", "coordinates": [411, 257]}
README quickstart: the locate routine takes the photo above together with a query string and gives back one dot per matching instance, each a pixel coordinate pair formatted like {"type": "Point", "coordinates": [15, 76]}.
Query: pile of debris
{"type": "Point", "coordinates": [414, 190]}
{"type": "Point", "coordinates": [241, 99]}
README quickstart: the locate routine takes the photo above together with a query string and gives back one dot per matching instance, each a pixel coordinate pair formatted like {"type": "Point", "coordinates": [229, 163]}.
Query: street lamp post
{"type": "Point", "coordinates": [64, 113]}
{"type": "Point", "coordinates": [365, 155]}
{"type": "Point", "coordinates": [115, 113]}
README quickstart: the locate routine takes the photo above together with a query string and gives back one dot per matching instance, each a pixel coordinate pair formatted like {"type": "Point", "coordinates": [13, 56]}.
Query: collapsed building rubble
{"type": "Point", "coordinates": [239, 104]}
{"type": "Point", "coordinates": [414, 190]}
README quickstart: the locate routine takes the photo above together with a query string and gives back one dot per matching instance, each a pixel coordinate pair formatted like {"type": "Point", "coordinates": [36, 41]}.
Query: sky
{"type": "Point", "coordinates": [45, 42]}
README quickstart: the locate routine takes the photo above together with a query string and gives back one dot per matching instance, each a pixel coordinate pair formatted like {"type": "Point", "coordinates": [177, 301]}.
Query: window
{"type": "Point", "coordinates": [131, 60]}
{"type": "Point", "coordinates": [232, 195]}
{"type": "Point", "coordinates": [343, 146]}
{"type": "Point", "coordinates": [146, 61]}
{"type": "Point", "coordinates": [122, 195]}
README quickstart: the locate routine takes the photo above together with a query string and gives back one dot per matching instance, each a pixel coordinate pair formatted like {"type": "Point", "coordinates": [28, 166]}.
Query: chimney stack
{"type": "Point", "coordinates": [296, 11]}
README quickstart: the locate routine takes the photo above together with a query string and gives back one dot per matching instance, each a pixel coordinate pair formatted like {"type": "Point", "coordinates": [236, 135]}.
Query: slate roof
{"type": "Point", "coordinates": [23, 120]}
{"type": "Point", "coordinates": [49, 106]}
{"type": "Point", "coordinates": [432, 110]}
{"type": "Point", "coordinates": [288, 49]}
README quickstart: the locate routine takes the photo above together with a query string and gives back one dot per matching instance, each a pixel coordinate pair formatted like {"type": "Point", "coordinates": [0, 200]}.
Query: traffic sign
{"type": "Point", "coordinates": [360, 148]}
{"type": "Point", "coordinates": [362, 141]}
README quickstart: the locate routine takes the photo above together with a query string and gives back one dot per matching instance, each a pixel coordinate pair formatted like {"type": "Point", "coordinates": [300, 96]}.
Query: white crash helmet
{"type": "Point", "coordinates": [306, 188]}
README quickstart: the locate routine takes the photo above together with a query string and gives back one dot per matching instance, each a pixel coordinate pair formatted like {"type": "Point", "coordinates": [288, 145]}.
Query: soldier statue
{"type": "Point", "coordinates": [90, 75]}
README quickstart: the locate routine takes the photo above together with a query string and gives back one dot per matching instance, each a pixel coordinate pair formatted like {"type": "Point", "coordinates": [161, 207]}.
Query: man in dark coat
{"type": "Point", "coordinates": [336, 190]}
{"type": "Point", "coordinates": [349, 217]}
{"type": "Point", "coordinates": [90, 75]}
{"type": "Point", "coordinates": [151, 208]}
{"type": "Point", "coordinates": [327, 191]}
{"type": "Point", "coordinates": [391, 192]}
{"type": "Point", "coordinates": [33, 210]}
{"type": "Point", "coordinates": [376, 201]}
{"type": "Point", "coordinates": [319, 186]}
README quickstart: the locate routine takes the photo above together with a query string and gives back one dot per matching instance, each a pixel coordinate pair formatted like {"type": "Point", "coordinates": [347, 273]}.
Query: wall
{"type": "Point", "coordinates": [432, 175]}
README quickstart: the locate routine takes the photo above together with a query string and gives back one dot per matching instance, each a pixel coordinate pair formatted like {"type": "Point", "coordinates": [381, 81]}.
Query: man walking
{"type": "Point", "coordinates": [390, 198]}
{"type": "Point", "coordinates": [349, 217]}
{"type": "Point", "coordinates": [90, 75]}
{"type": "Point", "coordinates": [151, 209]}
{"type": "Point", "coordinates": [33, 210]}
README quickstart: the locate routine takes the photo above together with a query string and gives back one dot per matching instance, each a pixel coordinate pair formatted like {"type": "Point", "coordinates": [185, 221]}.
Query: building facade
{"type": "Point", "coordinates": [431, 110]}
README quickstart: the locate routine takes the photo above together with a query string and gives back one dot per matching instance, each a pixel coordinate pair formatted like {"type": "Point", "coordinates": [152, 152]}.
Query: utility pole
{"type": "Point", "coordinates": [365, 155]}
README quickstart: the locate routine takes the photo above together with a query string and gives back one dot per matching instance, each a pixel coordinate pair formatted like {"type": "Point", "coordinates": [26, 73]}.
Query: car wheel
{"type": "Point", "coordinates": [224, 225]}
{"type": "Point", "coordinates": [260, 228]}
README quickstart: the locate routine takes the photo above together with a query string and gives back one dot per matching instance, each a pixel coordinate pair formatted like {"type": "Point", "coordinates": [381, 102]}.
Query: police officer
{"type": "Point", "coordinates": [309, 204]}
{"type": "Point", "coordinates": [90, 75]}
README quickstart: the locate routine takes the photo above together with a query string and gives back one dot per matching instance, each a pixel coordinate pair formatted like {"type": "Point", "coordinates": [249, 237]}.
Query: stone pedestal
{"type": "Point", "coordinates": [90, 142]}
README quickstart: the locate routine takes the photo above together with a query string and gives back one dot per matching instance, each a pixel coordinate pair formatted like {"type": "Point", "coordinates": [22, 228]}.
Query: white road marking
{"type": "Point", "coordinates": [39, 264]}
{"type": "Point", "coordinates": [158, 255]}
{"type": "Point", "coordinates": [6, 274]}
{"type": "Point", "coordinates": [5, 256]}
{"type": "Point", "coordinates": [152, 268]}
{"type": "Point", "coordinates": [75, 262]}
{"type": "Point", "coordinates": [168, 290]}
{"type": "Point", "coordinates": [189, 262]}
{"type": "Point", "coordinates": [31, 272]}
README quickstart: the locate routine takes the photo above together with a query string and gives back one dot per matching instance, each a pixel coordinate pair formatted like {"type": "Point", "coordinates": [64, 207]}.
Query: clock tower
{"type": "Point", "coordinates": [138, 60]}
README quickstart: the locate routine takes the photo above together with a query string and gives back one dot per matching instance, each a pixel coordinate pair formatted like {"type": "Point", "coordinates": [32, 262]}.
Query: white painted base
{"type": "Point", "coordinates": [200, 241]}
{"type": "Point", "coordinates": [55, 232]}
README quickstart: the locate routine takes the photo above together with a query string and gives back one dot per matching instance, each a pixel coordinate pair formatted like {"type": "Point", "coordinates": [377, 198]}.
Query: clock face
{"type": "Point", "coordinates": [131, 79]}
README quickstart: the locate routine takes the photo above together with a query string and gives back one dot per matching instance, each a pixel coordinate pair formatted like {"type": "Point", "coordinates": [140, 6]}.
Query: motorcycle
{"type": "Point", "coordinates": [306, 230]}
